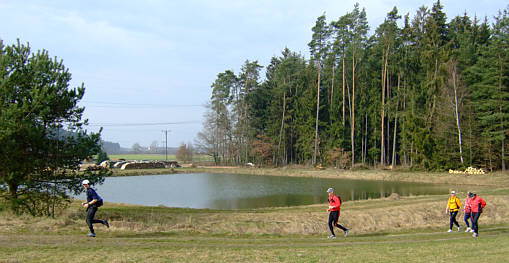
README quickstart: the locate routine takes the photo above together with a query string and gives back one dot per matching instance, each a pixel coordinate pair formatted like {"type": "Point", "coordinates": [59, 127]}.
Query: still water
{"type": "Point", "coordinates": [227, 191]}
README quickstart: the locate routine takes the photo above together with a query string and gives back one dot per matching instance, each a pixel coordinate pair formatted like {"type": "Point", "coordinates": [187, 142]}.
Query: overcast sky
{"type": "Point", "coordinates": [153, 61]}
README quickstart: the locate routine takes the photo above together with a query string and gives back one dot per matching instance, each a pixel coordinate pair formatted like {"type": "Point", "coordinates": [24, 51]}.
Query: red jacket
{"type": "Point", "coordinates": [477, 204]}
{"type": "Point", "coordinates": [335, 202]}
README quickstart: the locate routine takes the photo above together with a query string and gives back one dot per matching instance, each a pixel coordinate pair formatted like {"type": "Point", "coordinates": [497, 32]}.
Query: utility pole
{"type": "Point", "coordinates": [166, 144]}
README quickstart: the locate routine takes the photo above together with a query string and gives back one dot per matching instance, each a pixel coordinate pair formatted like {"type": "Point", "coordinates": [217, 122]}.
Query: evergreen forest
{"type": "Point", "coordinates": [419, 91]}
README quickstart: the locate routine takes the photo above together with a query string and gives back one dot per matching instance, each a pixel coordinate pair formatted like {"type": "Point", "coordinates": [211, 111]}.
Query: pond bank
{"type": "Point", "coordinates": [498, 179]}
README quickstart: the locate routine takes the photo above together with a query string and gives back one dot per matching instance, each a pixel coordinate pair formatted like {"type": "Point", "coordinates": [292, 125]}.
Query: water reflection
{"type": "Point", "coordinates": [226, 191]}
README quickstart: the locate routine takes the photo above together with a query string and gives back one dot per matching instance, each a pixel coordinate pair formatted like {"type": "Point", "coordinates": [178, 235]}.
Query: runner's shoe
{"type": "Point", "coordinates": [346, 232]}
{"type": "Point", "coordinates": [449, 231]}
{"type": "Point", "coordinates": [331, 237]}
{"type": "Point", "coordinates": [475, 234]}
{"type": "Point", "coordinates": [106, 223]}
{"type": "Point", "coordinates": [459, 228]}
{"type": "Point", "coordinates": [91, 235]}
{"type": "Point", "coordinates": [468, 229]}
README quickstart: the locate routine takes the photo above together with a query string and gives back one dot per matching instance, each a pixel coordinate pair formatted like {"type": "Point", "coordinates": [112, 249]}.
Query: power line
{"type": "Point", "coordinates": [141, 123]}
{"type": "Point", "coordinates": [105, 104]}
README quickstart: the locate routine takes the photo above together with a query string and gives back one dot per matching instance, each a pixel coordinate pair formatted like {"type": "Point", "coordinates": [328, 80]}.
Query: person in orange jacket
{"type": "Point", "coordinates": [477, 206]}
{"type": "Point", "coordinates": [334, 208]}
{"type": "Point", "coordinates": [453, 207]}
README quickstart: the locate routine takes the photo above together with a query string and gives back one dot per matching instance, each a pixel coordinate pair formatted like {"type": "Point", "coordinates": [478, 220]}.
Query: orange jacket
{"type": "Point", "coordinates": [335, 202]}
{"type": "Point", "coordinates": [477, 204]}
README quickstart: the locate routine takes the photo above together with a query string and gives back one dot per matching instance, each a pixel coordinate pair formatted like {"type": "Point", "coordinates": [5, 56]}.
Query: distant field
{"type": "Point", "coordinates": [171, 157]}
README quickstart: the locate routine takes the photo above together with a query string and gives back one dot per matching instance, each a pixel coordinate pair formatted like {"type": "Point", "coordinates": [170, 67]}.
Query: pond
{"type": "Point", "coordinates": [229, 191]}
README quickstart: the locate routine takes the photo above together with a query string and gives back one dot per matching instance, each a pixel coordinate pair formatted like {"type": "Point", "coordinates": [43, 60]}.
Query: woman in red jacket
{"type": "Point", "coordinates": [477, 206]}
{"type": "Point", "coordinates": [467, 210]}
{"type": "Point", "coordinates": [334, 207]}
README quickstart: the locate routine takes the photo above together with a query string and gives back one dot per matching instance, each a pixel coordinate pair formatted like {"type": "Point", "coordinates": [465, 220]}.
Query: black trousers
{"type": "Point", "coordinates": [453, 219]}
{"type": "Point", "coordinates": [91, 210]}
{"type": "Point", "coordinates": [333, 221]}
{"type": "Point", "coordinates": [475, 219]}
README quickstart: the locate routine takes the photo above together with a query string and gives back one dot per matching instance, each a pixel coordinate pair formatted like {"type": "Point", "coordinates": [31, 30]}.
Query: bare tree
{"type": "Point", "coordinates": [208, 140]}
{"type": "Point", "coordinates": [153, 147]}
{"type": "Point", "coordinates": [452, 70]}
{"type": "Point", "coordinates": [137, 148]}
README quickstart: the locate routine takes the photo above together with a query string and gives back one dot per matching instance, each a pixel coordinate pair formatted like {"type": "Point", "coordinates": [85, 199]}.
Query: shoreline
{"type": "Point", "coordinates": [498, 179]}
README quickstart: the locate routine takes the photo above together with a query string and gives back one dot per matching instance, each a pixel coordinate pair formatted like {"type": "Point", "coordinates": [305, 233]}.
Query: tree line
{"type": "Point", "coordinates": [428, 94]}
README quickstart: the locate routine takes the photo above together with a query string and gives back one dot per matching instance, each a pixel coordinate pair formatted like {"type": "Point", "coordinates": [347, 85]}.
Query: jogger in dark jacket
{"type": "Point", "coordinates": [93, 202]}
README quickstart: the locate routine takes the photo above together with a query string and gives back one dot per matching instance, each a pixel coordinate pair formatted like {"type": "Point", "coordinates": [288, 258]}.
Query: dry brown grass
{"type": "Point", "coordinates": [362, 216]}
{"type": "Point", "coordinates": [368, 216]}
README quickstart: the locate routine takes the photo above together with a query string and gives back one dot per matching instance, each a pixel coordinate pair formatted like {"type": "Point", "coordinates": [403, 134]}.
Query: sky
{"type": "Point", "coordinates": [148, 66]}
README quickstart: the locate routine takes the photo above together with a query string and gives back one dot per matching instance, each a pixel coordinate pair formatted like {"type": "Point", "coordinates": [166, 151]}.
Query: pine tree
{"type": "Point", "coordinates": [318, 49]}
{"type": "Point", "coordinates": [491, 93]}
{"type": "Point", "coordinates": [39, 158]}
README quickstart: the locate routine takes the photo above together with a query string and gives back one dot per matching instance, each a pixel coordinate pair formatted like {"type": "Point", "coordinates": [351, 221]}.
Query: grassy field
{"type": "Point", "coordinates": [410, 229]}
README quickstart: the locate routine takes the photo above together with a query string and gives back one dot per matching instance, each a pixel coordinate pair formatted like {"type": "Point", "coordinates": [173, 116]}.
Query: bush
{"type": "Point", "coordinates": [339, 158]}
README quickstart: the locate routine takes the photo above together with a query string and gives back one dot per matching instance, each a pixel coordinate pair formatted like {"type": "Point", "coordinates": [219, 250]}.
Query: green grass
{"type": "Point", "coordinates": [425, 246]}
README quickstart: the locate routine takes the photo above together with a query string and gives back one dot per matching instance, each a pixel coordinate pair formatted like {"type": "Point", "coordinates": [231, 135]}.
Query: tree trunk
{"type": "Point", "coordinates": [395, 129]}
{"type": "Point", "coordinates": [362, 145]}
{"type": "Point", "coordinates": [405, 139]}
{"type": "Point", "coordinates": [411, 154]}
{"type": "Point", "coordinates": [13, 196]}
{"type": "Point", "coordinates": [470, 140]}
{"type": "Point", "coordinates": [456, 106]}
{"type": "Point", "coordinates": [332, 91]}
{"type": "Point", "coordinates": [384, 85]}
{"type": "Point", "coordinates": [352, 128]}
{"type": "Point", "coordinates": [317, 112]}
{"type": "Point", "coordinates": [376, 144]}
{"type": "Point", "coordinates": [281, 129]}
{"type": "Point", "coordinates": [503, 154]}
{"type": "Point", "coordinates": [246, 132]}
{"type": "Point", "coordinates": [388, 122]}
{"type": "Point", "coordinates": [343, 102]}
{"type": "Point", "coordinates": [501, 112]}
{"type": "Point", "coordinates": [394, 141]}
{"type": "Point", "coordinates": [366, 141]}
